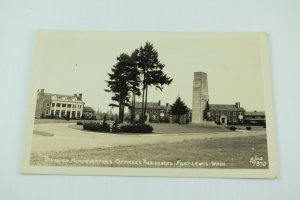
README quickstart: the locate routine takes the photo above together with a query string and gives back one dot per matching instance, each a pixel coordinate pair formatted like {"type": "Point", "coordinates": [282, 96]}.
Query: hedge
{"type": "Point", "coordinates": [79, 123]}
{"type": "Point", "coordinates": [136, 128]}
{"type": "Point", "coordinates": [96, 126]}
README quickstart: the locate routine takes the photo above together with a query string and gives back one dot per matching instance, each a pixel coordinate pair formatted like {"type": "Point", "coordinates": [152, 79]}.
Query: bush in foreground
{"type": "Point", "coordinates": [248, 128]}
{"type": "Point", "coordinates": [79, 123]}
{"type": "Point", "coordinates": [232, 128]}
{"type": "Point", "coordinates": [95, 126]}
{"type": "Point", "coordinates": [136, 128]}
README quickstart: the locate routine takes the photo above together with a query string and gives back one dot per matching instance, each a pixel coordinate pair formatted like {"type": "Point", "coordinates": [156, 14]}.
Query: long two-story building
{"type": "Point", "coordinates": [58, 105]}
{"type": "Point", "coordinates": [226, 113]}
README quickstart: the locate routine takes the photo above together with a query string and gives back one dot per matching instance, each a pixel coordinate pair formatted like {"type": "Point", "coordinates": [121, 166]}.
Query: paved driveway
{"type": "Point", "coordinates": [65, 138]}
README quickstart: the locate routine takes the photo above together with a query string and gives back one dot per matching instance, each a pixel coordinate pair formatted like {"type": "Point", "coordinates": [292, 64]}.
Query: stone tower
{"type": "Point", "coordinates": [200, 96]}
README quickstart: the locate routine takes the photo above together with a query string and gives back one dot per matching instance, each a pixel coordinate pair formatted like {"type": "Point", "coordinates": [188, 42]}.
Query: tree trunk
{"type": "Point", "coordinates": [132, 108]}
{"type": "Point", "coordinates": [146, 101]}
{"type": "Point", "coordinates": [120, 105]}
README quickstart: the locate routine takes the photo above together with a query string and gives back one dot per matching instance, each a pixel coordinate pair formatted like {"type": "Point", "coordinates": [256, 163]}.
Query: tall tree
{"type": "Point", "coordinates": [179, 108]}
{"type": "Point", "coordinates": [151, 70]}
{"type": "Point", "coordinates": [123, 80]}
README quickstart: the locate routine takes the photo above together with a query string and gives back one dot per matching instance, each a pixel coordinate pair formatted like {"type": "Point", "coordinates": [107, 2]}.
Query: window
{"type": "Point", "coordinates": [78, 114]}
{"type": "Point", "coordinates": [47, 112]}
{"type": "Point", "coordinates": [155, 111]}
{"type": "Point", "coordinates": [58, 105]}
{"type": "Point", "coordinates": [74, 106]}
{"type": "Point", "coordinates": [228, 119]}
{"type": "Point", "coordinates": [63, 105]}
{"type": "Point", "coordinates": [217, 113]}
{"type": "Point", "coordinates": [217, 119]}
{"type": "Point", "coordinates": [140, 111]}
{"type": "Point", "coordinates": [222, 113]}
{"type": "Point", "coordinates": [234, 113]}
{"type": "Point", "coordinates": [53, 104]}
{"type": "Point", "coordinates": [234, 119]}
{"type": "Point", "coordinates": [79, 106]}
{"type": "Point", "coordinates": [151, 111]}
{"type": "Point", "coordinates": [48, 104]}
{"type": "Point", "coordinates": [62, 113]}
{"type": "Point", "coordinates": [57, 113]}
{"type": "Point", "coordinates": [228, 113]}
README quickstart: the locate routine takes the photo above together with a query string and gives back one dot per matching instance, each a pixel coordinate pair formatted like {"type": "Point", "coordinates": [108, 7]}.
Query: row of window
{"type": "Point", "coordinates": [63, 113]}
{"type": "Point", "coordinates": [228, 120]}
{"type": "Point", "coordinates": [63, 105]}
{"type": "Point", "coordinates": [152, 111]}
{"type": "Point", "coordinates": [222, 113]}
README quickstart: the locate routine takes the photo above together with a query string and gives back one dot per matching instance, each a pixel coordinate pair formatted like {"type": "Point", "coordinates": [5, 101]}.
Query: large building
{"type": "Point", "coordinates": [155, 111]}
{"type": "Point", "coordinates": [200, 97]}
{"type": "Point", "coordinates": [226, 114]}
{"type": "Point", "coordinates": [50, 105]}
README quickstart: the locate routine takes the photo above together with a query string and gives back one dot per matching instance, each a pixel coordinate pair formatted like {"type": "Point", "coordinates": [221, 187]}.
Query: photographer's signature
{"type": "Point", "coordinates": [258, 161]}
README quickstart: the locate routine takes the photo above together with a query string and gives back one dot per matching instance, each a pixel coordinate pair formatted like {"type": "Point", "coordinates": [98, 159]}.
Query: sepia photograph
{"type": "Point", "coordinates": [150, 104]}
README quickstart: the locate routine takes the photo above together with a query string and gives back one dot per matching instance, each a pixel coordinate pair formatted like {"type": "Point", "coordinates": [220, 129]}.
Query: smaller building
{"type": "Point", "coordinates": [88, 113]}
{"type": "Point", "coordinates": [225, 114]}
{"type": "Point", "coordinates": [182, 119]}
{"type": "Point", "coordinates": [255, 118]}
{"type": "Point", "coordinates": [155, 111]}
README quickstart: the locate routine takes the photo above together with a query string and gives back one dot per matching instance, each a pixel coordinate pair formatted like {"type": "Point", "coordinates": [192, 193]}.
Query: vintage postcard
{"type": "Point", "coordinates": [151, 104]}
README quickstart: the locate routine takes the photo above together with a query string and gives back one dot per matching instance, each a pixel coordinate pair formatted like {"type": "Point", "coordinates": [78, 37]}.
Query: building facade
{"type": "Point", "coordinates": [155, 111]}
{"type": "Point", "coordinates": [88, 113]}
{"type": "Point", "coordinates": [58, 106]}
{"type": "Point", "coordinates": [255, 118]}
{"type": "Point", "coordinates": [226, 114]}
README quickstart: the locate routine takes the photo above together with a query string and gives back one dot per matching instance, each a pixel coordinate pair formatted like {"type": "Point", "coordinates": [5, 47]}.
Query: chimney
{"type": "Point", "coordinates": [75, 95]}
{"type": "Point", "coordinates": [80, 96]}
{"type": "Point", "coordinates": [167, 104]}
{"type": "Point", "coordinates": [159, 102]}
{"type": "Point", "coordinates": [237, 104]}
{"type": "Point", "coordinates": [42, 91]}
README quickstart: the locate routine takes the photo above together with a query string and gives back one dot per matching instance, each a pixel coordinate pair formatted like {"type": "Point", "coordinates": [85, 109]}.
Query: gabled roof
{"type": "Point", "coordinates": [255, 113]}
{"type": "Point", "coordinates": [88, 109]}
{"type": "Point", "coordinates": [151, 105]}
{"type": "Point", "coordinates": [60, 96]}
{"type": "Point", "coordinates": [225, 107]}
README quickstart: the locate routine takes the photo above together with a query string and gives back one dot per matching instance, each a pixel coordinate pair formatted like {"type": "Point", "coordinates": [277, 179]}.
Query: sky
{"type": "Point", "coordinates": [70, 62]}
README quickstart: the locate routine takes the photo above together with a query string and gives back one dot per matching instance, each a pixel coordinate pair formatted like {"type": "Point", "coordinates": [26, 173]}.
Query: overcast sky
{"type": "Point", "coordinates": [69, 62]}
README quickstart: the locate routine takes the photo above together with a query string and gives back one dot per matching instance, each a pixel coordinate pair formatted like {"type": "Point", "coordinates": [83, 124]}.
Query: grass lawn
{"type": "Point", "coordinates": [201, 153]}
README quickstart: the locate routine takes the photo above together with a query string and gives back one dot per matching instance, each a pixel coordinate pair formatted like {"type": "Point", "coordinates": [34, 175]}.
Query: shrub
{"type": "Point", "coordinates": [136, 128]}
{"type": "Point", "coordinates": [67, 117]}
{"type": "Point", "coordinates": [114, 127]}
{"type": "Point", "coordinates": [95, 126]}
{"type": "Point", "coordinates": [79, 123]}
{"type": "Point", "coordinates": [248, 128]}
{"type": "Point", "coordinates": [232, 128]}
